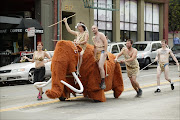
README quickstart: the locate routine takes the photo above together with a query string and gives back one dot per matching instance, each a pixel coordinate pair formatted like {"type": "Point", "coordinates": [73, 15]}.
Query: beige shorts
{"type": "Point", "coordinates": [132, 71]}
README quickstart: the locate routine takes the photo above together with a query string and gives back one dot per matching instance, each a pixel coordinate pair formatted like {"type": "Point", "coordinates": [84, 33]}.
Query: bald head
{"type": "Point", "coordinates": [94, 29]}
{"type": "Point", "coordinates": [94, 26]}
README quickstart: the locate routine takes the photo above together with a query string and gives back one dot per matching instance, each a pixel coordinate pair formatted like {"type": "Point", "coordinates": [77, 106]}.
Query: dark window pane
{"type": "Point", "coordinates": [120, 46]}
{"type": "Point", "coordinates": [158, 45]}
{"type": "Point", "coordinates": [154, 46]}
{"type": "Point", "coordinates": [122, 36]}
{"type": "Point", "coordinates": [148, 36]}
{"type": "Point", "coordinates": [103, 31]}
{"type": "Point", "coordinates": [115, 49]}
{"type": "Point", "coordinates": [109, 35]}
{"type": "Point", "coordinates": [155, 36]}
{"type": "Point", "coordinates": [140, 47]}
{"type": "Point", "coordinates": [133, 36]}
{"type": "Point", "coordinates": [126, 35]}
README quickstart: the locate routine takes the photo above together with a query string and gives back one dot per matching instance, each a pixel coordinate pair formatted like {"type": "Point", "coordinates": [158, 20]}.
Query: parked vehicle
{"type": "Point", "coordinates": [115, 48]}
{"type": "Point", "coordinates": [176, 50]}
{"type": "Point", "coordinates": [146, 51]}
{"type": "Point", "coordinates": [22, 71]}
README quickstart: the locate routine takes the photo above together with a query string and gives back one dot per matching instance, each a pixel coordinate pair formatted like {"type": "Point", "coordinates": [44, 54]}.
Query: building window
{"type": "Point", "coordinates": [151, 22]}
{"type": "Point", "coordinates": [103, 18]}
{"type": "Point", "coordinates": [128, 20]}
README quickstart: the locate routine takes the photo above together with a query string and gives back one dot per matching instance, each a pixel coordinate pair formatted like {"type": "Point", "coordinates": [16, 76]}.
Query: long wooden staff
{"type": "Point", "coordinates": [179, 70]}
{"type": "Point", "coordinates": [61, 20]}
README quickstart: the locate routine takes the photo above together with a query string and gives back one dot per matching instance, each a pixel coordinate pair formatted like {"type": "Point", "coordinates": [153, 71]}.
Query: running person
{"type": "Point", "coordinates": [100, 52]}
{"type": "Point", "coordinates": [163, 64]}
{"type": "Point", "coordinates": [132, 65]}
{"type": "Point", "coordinates": [82, 37]}
{"type": "Point", "coordinates": [39, 72]}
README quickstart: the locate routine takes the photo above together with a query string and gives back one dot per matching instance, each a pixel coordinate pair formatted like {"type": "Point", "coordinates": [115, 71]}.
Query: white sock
{"type": "Point", "coordinates": [172, 83]}
{"type": "Point", "coordinates": [158, 87]}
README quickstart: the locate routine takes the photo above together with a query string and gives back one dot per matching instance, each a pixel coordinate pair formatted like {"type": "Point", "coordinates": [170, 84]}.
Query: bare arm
{"type": "Point", "coordinates": [174, 58]}
{"type": "Point", "coordinates": [133, 56]}
{"type": "Point", "coordinates": [115, 60]}
{"type": "Point", "coordinates": [119, 54]}
{"type": "Point", "coordinates": [30, 60]}
{"type": "Point", "coordinates": [68, 28]}
{"type": "Point", "coordinates": [46, 55]}
{"type": "Point", "coordinates": [103, 38]}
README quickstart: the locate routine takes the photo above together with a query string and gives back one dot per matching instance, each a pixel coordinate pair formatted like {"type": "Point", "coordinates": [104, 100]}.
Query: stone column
{"type": "Point", "coordinates": [161, 21]}
{"type": "Point", "coordinates": [116, 22]}
{"type": "Point", "coordinates": [140, 24]}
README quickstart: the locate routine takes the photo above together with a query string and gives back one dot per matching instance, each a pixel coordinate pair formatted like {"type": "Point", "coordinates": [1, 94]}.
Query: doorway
{"type": "Point", "coordinates": [71, 21]}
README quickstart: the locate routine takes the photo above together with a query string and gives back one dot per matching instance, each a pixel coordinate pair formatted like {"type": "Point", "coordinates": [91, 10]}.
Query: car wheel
{"type": "Point", "coordinates": [31, 76]}
{"type": "Point", "coordinates": [147, 62]}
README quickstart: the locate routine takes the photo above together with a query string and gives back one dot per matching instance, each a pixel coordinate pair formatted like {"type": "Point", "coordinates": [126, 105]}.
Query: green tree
{"type": "Point", "coordinates": [174, 16]}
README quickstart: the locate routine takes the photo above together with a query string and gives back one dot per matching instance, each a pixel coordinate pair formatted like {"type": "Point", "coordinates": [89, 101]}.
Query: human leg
{"type": "Point", "coordinates": [166, 75]}
{"type": "Point", "coordinates": [101, 69]}
{"type": "Point", "coordinates": [80, 59]}
{"type": "Point", "coordinates": [41, 78]}
{"type": "Point", "coordinates": [133, 84]}
{"type": "Point", "coordinates": [136, 86]}
{"type": "Point", "coordinates": [158, 79]}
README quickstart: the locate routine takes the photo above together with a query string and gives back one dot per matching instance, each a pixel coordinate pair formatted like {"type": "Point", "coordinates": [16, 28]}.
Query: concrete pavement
{"type": "Point", "coordinates": [19, 102]}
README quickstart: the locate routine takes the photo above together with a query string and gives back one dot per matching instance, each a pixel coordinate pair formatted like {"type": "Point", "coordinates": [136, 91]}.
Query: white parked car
{"type": "Point", "coordinates": [22, 71]}
{"type": "Point", "coordinates": [146, 51]}
{"type": "Point", "coordinates": [115, 48]}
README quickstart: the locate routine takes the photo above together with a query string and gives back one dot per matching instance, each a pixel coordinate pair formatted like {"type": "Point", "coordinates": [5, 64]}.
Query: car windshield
{"type": "Point", "coordinates": [51, 54]}
{"type": "Point", "coordinates": [17, 60]}
{"type": "Point", "coordinates": [108, 48]}
{"type": "Point", "coordinates": [141, 47]}
{"type": "Point", "coordinates": [176, 48]}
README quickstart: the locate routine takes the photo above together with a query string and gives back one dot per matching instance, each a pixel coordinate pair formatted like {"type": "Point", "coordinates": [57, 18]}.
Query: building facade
{"type": "Point", "coordinates": [139, 20]}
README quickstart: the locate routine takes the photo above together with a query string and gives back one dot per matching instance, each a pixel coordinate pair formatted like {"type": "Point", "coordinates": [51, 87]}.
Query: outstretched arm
{"type": "Point", "coordinates": [30, 60]}
{"type": "Point", "coordinates": [115, 60]}
{"type": "Point", "coordinates": [68, 28]}
{"type": "Point", "coordinates": [174, 58]}
{"type": "Point", "coordinates": [49, 58]}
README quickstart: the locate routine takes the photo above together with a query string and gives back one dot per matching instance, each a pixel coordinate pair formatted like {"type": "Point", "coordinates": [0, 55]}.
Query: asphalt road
{"type": "Point", "coordinates": [18, 102]}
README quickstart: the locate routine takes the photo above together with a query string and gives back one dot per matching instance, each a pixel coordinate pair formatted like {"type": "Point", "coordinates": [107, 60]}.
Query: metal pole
{"type": "Point", "coordinates": [35, 42]}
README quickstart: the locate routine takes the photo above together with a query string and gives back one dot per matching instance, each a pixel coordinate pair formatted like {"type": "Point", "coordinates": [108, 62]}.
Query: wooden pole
{"type": "Point", "coordinates": [55, 40]}
{"type": "Point", "coordinates": [61, 20]}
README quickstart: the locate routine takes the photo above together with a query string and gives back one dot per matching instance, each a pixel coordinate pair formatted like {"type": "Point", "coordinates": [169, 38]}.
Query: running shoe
{"type": "Point", "coordinates": [158, 90]}
{"type": "Point", "coordinates": [39, 97]}
{"type": "Point", "coordinates": [39, 94]}
{"type": "Point", "coordinates": [139, 93]}
{"type": "Point", "coordinates": [172, 86]}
